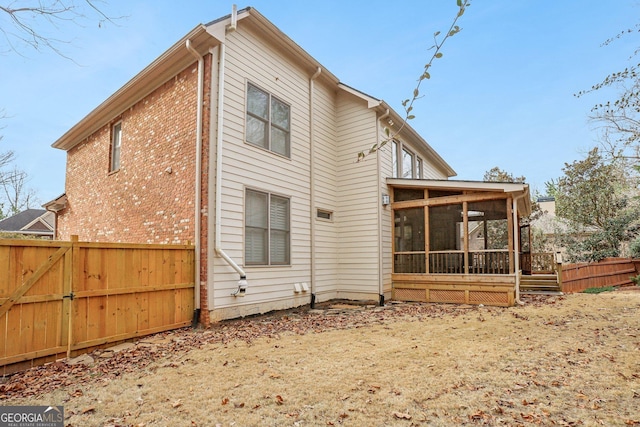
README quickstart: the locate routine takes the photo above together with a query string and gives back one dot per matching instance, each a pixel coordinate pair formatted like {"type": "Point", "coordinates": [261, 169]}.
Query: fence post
{"type": "Point", "coordinates": [559, 269]}
{"type": "Point", "coordinates": [72, 263]}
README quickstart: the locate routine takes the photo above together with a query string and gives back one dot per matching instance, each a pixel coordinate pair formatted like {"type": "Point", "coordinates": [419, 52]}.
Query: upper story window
{"type": "Point", "coordinates": [268, 121]}
{"type": "Point", "coordinates": [405, 163]}
{"type": "Point", "coordinates": [116, 144]}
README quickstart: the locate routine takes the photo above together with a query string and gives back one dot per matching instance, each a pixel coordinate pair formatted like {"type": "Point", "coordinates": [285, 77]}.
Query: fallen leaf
{"type": "Point", "coordinates": [177, 404]}
{"type": "Point", "coordinates": [225, 401]}
{"type": "Point", "coordinates": [401, 416]}
{"type": "Point", "coordinates": [279, 400]}
{"type": "Point", "coordinates": [89, 409]}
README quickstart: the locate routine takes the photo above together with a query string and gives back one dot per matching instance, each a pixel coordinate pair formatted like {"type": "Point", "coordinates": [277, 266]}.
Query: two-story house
{"type": "Point", "coordinates": [239, 141]}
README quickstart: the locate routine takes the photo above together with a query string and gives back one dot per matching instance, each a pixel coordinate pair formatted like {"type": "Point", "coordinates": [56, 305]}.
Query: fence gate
{"type": "Point", "coordinates": [60, 298]}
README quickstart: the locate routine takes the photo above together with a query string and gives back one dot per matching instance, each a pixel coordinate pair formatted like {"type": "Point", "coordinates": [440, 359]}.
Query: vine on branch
{"type": "Point", "coordinates": [407, 104]}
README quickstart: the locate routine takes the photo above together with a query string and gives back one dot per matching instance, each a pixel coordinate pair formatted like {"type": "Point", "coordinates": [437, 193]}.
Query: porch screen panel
{"type": "Point", "coordinates": [446, 249]}
{"type": "Point", "coordinates": [409, 234]}
{"type": "Point", "coordinates": [490, 252]}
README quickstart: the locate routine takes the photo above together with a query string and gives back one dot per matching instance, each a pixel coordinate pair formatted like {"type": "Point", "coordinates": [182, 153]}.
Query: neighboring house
{"type": "Point", "coordinates": [239, 141]}
{"type": "Point", "coordinates": [550, 227]}
{"type": "Point", "coordinates": [36, 223]}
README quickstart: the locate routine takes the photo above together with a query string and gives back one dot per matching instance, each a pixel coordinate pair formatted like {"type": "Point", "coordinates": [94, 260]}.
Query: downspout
{"type": "Point", "coordinates": [516, 246]}
{"type": "Point", "coordinates": [312, 194]}
{"type": "Point", "coordinates": [198, 198]}
{"type": "Point", "coordinates": [242, 284]}
{"type": "Point", "coordinates": [380, 209]}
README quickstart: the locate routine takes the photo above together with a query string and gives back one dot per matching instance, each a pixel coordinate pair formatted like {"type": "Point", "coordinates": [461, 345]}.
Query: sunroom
{"type": "Point", "coordinates": [457, 241]}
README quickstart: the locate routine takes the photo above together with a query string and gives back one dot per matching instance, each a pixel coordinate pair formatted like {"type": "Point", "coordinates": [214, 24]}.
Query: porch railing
{"type": "Point", "coordinates": [449, 262]}
{"type": "Point", "coordinates": [538, 263]}
{"type": "Point", "coordinates": [452, 262]}
{"type": "Point", "coordinates": [489, 262]}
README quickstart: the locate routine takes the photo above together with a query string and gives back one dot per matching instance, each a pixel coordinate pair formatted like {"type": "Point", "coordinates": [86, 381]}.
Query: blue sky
{"type": "Point", "coordinates": [502, 95]}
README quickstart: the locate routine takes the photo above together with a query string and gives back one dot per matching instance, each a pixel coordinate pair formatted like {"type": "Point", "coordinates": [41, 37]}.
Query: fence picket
{"type": "Point", "coordinates": [118, 289]}
{"type": "Point", "coordinates": [608, 272]}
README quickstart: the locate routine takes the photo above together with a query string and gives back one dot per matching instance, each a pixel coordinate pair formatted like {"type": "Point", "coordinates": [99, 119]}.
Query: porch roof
{"type": "Point", "coordinates": [518, 190]}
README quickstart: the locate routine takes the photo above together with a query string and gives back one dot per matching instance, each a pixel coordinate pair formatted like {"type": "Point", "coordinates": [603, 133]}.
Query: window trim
{"type": "Point", "coordinates": [269, 196]}
{"type": "Point", "coordinates": [269, 124]}
{"type": "Point", "coordinates": [115, 151]}
{"type": "Point", "coordinates": [398, 148]}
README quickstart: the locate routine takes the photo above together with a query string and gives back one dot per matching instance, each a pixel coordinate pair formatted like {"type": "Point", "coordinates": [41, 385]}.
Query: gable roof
{"type": "Point", "coordinates": [202, 38]}
{"type": "Point", "coordinates": [30, 220]}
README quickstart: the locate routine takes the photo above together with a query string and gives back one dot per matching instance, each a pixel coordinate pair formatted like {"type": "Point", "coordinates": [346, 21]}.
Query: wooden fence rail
{"type": "Point", "coordinates": [608, 272]}
{"type": "Point", "coordinates": [61, 298]}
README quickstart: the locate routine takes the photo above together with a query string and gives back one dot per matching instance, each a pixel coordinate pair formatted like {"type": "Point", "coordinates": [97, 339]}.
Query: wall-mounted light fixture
{"type": "Point", "coordinates": [385, 200]}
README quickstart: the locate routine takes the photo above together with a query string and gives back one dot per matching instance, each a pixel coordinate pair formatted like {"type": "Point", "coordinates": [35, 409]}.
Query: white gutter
{"type": "Point", "coordinates": [219, 146]}
{"type": "Point", "coordinates": [380, 251]}
{"type": "Point", "coordinates": [198, 177]}
{"type": "Point", "coordinates": [516, 245]}
{"type": "Point", "coordinates": [312, 185]}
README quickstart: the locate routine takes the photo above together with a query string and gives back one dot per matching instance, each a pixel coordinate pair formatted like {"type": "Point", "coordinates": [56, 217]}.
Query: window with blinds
{"type": "Point", "coordinates": [267, 229]}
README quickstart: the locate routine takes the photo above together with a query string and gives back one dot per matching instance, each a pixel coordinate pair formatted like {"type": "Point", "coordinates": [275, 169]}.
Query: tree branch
{"type": "Point", "coordinates": [408, 103]}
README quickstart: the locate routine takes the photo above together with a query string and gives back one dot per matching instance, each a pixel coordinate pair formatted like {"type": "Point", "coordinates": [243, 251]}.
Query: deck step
{"type": "Point", "coordinates": [547, 283]}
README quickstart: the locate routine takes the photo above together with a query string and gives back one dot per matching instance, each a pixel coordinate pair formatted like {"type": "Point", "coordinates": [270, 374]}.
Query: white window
{"type": "Point", "coordinates": [116, 143]}
{"type": "Point", "coordinates": [394, 160]}
{"type": "Point", "coordinates": [405, 164]}
{"type": "Point", "coordinates": [267, 235]}
{"type": "Point", "coordinates": [267, 121]}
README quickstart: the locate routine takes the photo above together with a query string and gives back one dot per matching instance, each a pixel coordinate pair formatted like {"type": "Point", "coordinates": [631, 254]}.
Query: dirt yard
{"type": "Point", "coordinates": [568, 361]}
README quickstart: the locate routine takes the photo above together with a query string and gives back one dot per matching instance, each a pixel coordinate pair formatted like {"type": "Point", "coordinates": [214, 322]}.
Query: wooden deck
{"type": "Point", "coordinates": [498, 290]}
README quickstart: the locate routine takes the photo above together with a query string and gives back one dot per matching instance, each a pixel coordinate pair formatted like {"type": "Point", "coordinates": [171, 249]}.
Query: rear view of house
{"type": "Point", "coordinates": [239, 141]}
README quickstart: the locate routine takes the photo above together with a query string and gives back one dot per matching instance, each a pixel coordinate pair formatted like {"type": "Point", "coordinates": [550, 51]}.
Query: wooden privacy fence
{"type": "Point", "coordinates": [59, 298]}
{"type": "Point", "coordinates": [608, 272]}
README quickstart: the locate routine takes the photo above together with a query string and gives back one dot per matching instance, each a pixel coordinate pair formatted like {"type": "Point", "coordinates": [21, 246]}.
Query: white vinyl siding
{"type": "Point", "coordinates": [245, 167]}
{"type": "Point", "coordinates": [348, 249]}
{"type": "Point", "coordinates": [358, 200]}
{"type": "Point", "coordinates": [326, 182]}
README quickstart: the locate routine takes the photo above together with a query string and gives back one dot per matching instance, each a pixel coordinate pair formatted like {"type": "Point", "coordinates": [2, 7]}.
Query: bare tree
{"type": "Point", "coordinates": [8, 156]}
{"type": "Point", "coordinates": [618, 121]}
{"type": "Point", "coordinates": [15, 191]}
{"type": "Point", "coordinates": [34, 23]}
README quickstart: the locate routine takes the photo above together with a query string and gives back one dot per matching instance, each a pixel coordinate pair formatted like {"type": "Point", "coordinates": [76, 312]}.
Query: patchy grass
{"type": "Point", "coordinates": [599, 290]}
{"type": "Point", "coordinates": [571, 360]}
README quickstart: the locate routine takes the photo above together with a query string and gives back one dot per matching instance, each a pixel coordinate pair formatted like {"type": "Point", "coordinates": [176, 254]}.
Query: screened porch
{"type": "Point", "coordinates": [456, 241]}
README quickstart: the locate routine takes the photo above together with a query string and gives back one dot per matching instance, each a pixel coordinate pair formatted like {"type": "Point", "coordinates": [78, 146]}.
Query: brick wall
{"type": "Point", "coordinates": [150, 199]}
